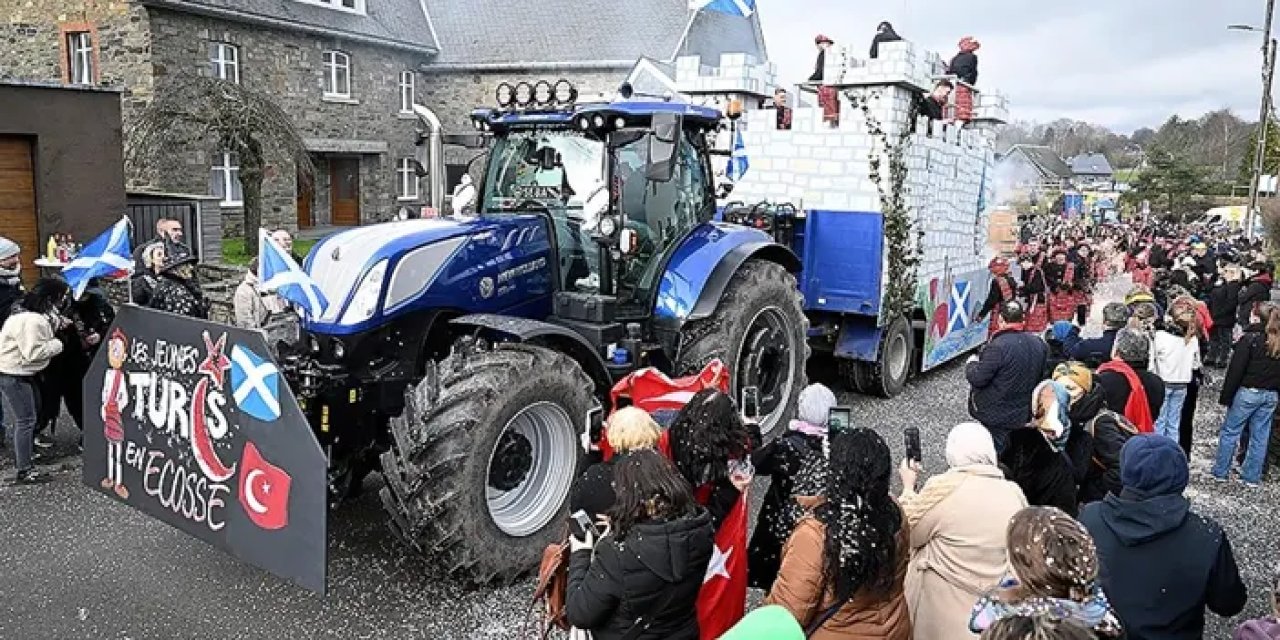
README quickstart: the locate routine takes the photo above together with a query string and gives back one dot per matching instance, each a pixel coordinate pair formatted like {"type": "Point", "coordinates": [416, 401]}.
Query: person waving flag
{"type": "Point", "coordinates": [278, 273]}
{"type": "Point", "coordinates": [108, 255]}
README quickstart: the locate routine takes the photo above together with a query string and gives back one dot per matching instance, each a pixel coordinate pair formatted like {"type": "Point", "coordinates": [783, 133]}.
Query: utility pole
{"type": "Point", "coordinates": [1268, 70]}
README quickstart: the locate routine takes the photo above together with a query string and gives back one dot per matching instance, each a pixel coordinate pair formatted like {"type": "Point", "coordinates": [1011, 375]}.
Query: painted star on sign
{"type": "Point", "coordinates": [717, 566]}
{"type": "Point", "coordinates": [215, 364]}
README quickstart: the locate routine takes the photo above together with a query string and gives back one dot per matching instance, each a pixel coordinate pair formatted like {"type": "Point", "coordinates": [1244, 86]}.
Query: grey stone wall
{"type": "Point", "coordinates": [289, 66]}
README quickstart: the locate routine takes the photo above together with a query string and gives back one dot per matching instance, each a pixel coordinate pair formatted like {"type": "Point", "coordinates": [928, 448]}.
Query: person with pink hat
{"type": "Point", "coordinates": [964, 66]}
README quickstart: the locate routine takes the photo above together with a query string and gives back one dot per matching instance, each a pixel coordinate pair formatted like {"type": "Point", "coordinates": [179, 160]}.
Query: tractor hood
{"type": "Point", "coordinates": [353, 267]}
{"type": "Point", "coordinates": [373, 274]}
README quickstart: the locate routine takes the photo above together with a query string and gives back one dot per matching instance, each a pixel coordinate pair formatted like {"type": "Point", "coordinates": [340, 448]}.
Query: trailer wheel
{"type": "Point", "coordinates": [887, 376]}
{"type": "Point", "coordinates": [760, 331]}
{"type": "Point", "coordinates": [483, 458]}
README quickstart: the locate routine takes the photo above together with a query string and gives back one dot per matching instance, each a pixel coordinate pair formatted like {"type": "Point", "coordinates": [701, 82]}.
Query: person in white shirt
{"type": "Point", "coordinates": [1175, 356]}
{"type": "Point", "coordinates": [28, 341]}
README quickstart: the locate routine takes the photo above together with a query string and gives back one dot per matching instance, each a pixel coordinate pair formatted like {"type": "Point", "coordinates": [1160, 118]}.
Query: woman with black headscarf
{"type": "Point", "coordinates": [843, 569]}
{"type": "Point", "coordinates": [884, 33]}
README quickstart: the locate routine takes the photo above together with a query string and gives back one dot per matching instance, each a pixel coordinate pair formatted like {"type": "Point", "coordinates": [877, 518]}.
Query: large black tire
{"type": "Point", "coordinates": [887, 376]}
{"type": "Point", "coordinates": [760, 331]}
{"type": "Point", "coordinates": [440, 489]}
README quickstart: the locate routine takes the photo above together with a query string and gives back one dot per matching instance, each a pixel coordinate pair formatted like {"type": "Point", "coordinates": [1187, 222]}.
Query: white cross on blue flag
{"type": "Point", "coordinates": [108, 255]}
{"type": "Point", "coordinates": [741, 8]}
{"type": "Point", "coordinates": [738, 162]}
{"type": "Point", "coordinates": [279, 273]}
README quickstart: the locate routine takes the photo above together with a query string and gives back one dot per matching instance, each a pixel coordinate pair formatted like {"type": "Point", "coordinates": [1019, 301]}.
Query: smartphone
{"type": "Point", "coordinates": [839, 419]}
{"type": "Point", "coordinates": [751, 402]}
{"type": "Point", "coordinates": [580, 524]}
{"type": "Point", "coordinates": [911, 438]}
{"type": "Point", "coordinates": [595, 423]}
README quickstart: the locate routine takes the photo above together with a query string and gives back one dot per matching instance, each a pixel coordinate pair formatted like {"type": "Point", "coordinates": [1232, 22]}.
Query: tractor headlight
{"type": "Point", "coordinates": [365, 300]}
{"type": "Point", "coordinates": [313, 344]}
{"type": "Point", "coordinates": [608, 226]}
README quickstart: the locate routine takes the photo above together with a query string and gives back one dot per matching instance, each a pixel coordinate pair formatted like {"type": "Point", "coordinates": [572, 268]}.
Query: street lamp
{"type": "Point", "coordinates": [1264, 117]}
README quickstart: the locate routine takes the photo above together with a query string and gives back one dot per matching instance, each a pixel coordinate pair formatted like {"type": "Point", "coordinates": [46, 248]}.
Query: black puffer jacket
{"type": "Point", "coordinates": [1224, 301]}
{"type": "Point", "coordinates": [652, 577]}
{"type": "Point", "coordinates": [1250, 366]}
{"type": "Point", "coordinates": [792, 463]}
{"type": "Point", "coordinates": [1007, 371]}
{"type": "Point", "coordinates": [1258, 289]}
{"type": "Point", "coordinates": [1045, 475]}
{"type": "Point", "coordinates": [179, 296]}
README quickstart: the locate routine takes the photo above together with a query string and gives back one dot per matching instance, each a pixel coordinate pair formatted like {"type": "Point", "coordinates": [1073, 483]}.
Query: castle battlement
{"type": "Point", "coordinates": [737, 73]}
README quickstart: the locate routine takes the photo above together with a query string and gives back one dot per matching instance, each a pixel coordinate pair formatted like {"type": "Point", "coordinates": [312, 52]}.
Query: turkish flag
{"type": "Point", "coordinates": [264, 490]}
{"type": "Point", "coordinates": [723, 599]}
{"type": "Point", "coordinates": [662, 397]}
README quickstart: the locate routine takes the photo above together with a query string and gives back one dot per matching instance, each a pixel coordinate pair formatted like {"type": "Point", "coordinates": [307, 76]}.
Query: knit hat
{"type": "Point", "coordinates": [1153, 465]}
{"type": "Point", "coordinates": [816, 401]}
{"type": "Point", "coordinates": [1139, 294]}
{"type": "Point", "coordinates": [1132, 346]}
{"type": "Point", "coordinates": [1115, 315]}
{"type": "Point", "coordinates": [766, 623]}
{"type": "Point", "coordinates": [1076, 372]}
{"type": "Point", "coordinates": [8, 248]}
{"type": "Point", "coordinates": [970, 443]}
{"type": "Point", "coordinates": [593, 492]}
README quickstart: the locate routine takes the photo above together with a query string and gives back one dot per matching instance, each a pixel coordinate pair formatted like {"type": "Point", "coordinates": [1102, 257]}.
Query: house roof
{"type": "Point", "coordinates": [1090, 164]}
{"type": "Point", "coordinates": [397, 23]}
{"type": "Point", "coordinates": [603, 33]}
{"type": "Point", "coordinates": [1046, 160]}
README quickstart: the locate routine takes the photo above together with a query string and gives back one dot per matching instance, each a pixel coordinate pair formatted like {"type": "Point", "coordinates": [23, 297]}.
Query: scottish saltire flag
{"type": "Point", "coordinates": [959, 306]}
{"type": "Point", "coordinates": [738, 163]}
{"type": "Point", "coordinates": [742, 8]}
{"type": "Point", "coordinates": [255, 384]}
{"type": "Point", "coordinates": [107, 255]}
{"type": "Point", "coordinates": [279, 273]}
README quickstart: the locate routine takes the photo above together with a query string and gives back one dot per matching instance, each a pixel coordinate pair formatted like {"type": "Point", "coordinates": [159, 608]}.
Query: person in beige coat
{"type": "Point", "coordinates": [958, 523]}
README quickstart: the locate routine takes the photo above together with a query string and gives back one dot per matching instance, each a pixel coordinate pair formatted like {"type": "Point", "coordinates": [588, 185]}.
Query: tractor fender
{"type": "Point", "coordinates": [702, 267]}
{"type": "Point", "coordinates": [560, 338]}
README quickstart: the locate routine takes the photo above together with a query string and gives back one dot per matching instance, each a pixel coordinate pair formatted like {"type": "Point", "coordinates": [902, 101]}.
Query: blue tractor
{"type": "Point", "coordinates": [465, 357]}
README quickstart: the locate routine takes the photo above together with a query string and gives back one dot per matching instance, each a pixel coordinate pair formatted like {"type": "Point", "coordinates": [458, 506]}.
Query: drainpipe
{"type": "Point", "coordinates": [431, 144]}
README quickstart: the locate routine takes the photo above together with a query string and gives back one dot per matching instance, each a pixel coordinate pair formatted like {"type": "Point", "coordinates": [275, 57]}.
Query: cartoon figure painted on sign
{"type": "Point", "coordinates": [115, 396]}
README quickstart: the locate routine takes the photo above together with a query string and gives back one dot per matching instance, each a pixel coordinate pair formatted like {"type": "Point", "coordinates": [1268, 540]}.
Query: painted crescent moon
{"type": "Point", "coordinates": [251, 491]}
{"type": "Point", "coordinates": [201, 444]}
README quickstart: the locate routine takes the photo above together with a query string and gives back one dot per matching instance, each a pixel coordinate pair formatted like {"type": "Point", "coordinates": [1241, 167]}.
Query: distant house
{"type": "Point", "coordinates": [1092, 169]}
{"type": "Point", "coordinates": [1034, 169]}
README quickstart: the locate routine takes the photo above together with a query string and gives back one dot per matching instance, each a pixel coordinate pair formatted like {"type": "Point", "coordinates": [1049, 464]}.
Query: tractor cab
{"type": "Point", "coordinates": [622, 182]}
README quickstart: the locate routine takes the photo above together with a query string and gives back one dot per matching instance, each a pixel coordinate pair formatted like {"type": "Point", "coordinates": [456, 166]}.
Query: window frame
{"type": "Point", "coordinates": [407, 174]}
{"type": "Point", "coordinates": [329, 61]}
{"type": "Point", "coordinates": [228, 171]}
{"type": "Point", "coordinates": [80, 48]}
{"type": "Point", "coordinates": [408, 90]}
{"type": "Point", "coordinates": [221, 63]}
{"type": "Point", "coordinates": [357, 6]}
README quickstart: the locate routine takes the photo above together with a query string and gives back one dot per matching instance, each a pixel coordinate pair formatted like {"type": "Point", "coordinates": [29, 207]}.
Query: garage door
{"type": "Point", "coordinates": [18, 202]}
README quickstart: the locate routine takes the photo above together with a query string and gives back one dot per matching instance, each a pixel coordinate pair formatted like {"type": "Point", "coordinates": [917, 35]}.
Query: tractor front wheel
{"type": "Point", "coordinates": [483, 458]}
{"type": "Point", "coordinates": [760, 331]}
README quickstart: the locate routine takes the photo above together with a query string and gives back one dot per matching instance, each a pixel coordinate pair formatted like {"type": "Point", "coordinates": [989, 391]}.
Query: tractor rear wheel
{"type": "Point", "coordinates": [887, 376]}
{"type": "Point", "coordinates": [483, 458]}
{"type": "Point", "coordinates": [760, 332]}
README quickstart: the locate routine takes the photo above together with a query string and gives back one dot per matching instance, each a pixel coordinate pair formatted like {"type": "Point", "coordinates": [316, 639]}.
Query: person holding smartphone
{"type": "Point", "coordinates": [639, 580]}
{"type": "Point", "coordinates": [957, 522]}
{"type": "Point", "coordinates": [795, 466]}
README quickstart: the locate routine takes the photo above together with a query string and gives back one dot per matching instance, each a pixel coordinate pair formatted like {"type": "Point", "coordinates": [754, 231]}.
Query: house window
{"type": "Point", "coordinates": [406, 92]}
{"type": "Point", "coordinates": [337, 74]}
{"type": "Point", "coordinates": [225, 59]}
{"type": "Point", "coordinates": [80, 57]}
{"type": "Point", "coordinates": [407, 182]}
{"type": "Point", "coordinates": [224, 181]}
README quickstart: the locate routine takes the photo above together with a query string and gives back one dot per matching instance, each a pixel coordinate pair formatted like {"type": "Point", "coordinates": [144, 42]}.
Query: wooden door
{"type": "Point", "coordinates": [18, 202]}
{"type": "Point", "coordinates": [344, 190]}
{"type": "Point", "coordinates": [305, 196]}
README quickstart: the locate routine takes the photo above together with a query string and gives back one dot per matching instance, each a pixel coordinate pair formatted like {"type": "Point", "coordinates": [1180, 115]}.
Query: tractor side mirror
{"type": "Point", "coordinates": [664, 143]}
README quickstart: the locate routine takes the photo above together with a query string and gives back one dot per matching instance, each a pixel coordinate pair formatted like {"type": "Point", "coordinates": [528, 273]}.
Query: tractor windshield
{"type": "Point", "coordinates": [553, 169]}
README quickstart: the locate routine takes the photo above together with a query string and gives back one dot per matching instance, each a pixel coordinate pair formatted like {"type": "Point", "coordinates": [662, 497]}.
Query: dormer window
{"type": "Point", "coordinates": [350, 6]}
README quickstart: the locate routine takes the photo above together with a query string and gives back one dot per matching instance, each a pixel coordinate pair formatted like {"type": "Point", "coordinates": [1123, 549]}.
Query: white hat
{"type": "Point", "coordinates": [815, 404]}
{"type": "Point", "coordinates": [8, 248]}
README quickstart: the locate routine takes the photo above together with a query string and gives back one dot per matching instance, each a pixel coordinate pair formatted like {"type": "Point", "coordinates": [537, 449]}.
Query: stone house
{"type": "Point", "coordinates": [349, 70]}
{"type": "Point", "coordinates": [1034, 171]}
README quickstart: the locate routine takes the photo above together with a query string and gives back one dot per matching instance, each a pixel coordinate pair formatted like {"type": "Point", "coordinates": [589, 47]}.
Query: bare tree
{"type": "Point", "coordinates": [235, 118]}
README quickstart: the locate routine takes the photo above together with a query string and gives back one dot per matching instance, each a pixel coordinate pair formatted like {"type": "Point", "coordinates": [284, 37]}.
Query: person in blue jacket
{"type": "Point", "coordinates": [1003, 375]}
{"type": "Point", "coordinates": [1162, 563]}
{"type": "Point", "coordinates": [1095, 351]}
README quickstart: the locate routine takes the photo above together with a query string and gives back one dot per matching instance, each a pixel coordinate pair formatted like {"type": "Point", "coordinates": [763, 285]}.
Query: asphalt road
{"type": "Point", "coordinates": [75, 564]}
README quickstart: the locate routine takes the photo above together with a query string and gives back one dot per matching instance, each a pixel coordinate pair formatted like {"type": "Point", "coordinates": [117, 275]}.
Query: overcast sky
{"type": "Point", "coordinates": [1121, 63]}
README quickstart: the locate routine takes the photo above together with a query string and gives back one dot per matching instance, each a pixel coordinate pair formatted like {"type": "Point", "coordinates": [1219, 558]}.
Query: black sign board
{"type": "Point", "coordinates": [192, 423]}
